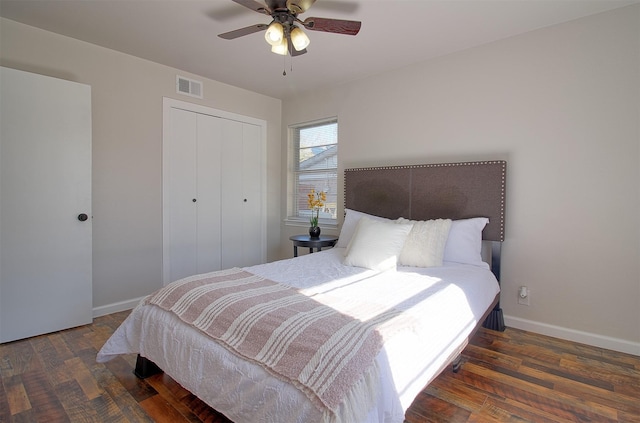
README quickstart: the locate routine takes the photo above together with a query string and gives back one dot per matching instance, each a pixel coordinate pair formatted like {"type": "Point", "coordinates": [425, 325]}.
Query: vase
{"type": "Point", "coordinates": [314, 232]}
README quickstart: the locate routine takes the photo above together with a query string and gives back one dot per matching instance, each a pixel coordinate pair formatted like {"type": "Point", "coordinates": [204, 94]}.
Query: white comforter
{"type": "Point", "coordinates": [447, 300]}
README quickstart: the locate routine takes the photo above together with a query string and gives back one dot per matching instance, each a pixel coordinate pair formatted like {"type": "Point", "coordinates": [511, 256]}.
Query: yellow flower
{"type": "Point", "coordinates": [315, 201]}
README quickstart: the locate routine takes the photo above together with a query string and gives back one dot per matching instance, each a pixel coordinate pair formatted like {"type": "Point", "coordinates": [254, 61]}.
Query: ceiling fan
{"type": "Point", "coordinates": [284, 33]}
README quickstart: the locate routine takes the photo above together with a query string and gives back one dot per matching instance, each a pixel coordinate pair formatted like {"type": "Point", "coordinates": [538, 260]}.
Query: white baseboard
{"type": "Point", "coordinates": [116, 307]}
{"type": "Point", "coordinates": [588, 338]}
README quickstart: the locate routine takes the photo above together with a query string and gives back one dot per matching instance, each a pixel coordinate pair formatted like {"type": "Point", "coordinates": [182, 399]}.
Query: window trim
{"type": "Point", "coordinates": [292, 156]}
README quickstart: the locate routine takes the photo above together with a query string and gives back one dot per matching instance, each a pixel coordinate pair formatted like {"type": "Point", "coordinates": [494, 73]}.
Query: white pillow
{"type": "Point", "coordinates": [464, 244]}
{"type": "Point", "coordinates": [424, 246]}
{"type": "Point", "coordinates": [376, 244]}
{"type": "Point", "coordinates": [351, 220]}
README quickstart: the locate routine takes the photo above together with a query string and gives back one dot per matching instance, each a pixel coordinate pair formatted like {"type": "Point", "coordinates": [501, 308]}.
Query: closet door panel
{"type": "Point", "coordinates": [181, 193]}
{"type": "Point", "coordinates": [208, 181]}
{"type": "Point", "coordinates": [252, 212]}
{"type": "Point", "coordinates": [232, 196]}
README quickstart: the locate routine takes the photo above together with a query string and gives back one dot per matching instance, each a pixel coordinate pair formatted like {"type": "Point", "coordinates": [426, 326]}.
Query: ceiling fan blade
{"type": "Point", "coordinates": [336, 26]}
{"type": "Point", "coordinates": [243, 31]}
{"type": "Point", "coordinates": [253, 5]}
{"type": "Point", "coordinates": [299, 6]}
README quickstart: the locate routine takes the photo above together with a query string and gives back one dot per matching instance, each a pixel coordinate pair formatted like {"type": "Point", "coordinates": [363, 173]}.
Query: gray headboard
{"type": "Point", "coordinates": [431, 191]}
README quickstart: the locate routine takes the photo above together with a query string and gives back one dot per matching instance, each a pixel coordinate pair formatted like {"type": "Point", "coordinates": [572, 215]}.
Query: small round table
{"type": "Point", "coordinates": [317, 243]}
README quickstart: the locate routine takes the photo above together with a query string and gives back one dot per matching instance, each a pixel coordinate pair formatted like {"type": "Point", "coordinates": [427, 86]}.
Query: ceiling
{"type": "Point", "coordinates": [395, 33]}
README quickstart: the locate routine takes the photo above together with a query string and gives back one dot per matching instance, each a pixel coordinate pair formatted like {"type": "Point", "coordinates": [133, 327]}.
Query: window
{"type": "Point", "coordinates": [314, 165]}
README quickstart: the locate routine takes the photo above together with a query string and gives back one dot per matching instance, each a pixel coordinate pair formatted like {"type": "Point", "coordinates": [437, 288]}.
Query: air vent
{"type": "Point", "coordinates": [188, 86]}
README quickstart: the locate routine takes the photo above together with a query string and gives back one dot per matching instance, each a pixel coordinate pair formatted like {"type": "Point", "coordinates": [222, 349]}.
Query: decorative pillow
{"type": "Point", "coordinates": [464, 244]}
{"type": "Point", "coordinates": [424, 246]}
{"type": "Point", "coordinates": [376, 244]}
{"type": "Point", "coordinates": [351, 220]}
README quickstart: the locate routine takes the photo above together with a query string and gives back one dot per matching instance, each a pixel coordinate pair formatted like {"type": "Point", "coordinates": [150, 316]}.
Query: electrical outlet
{"type": "Point", "coordinates": [523, 295]}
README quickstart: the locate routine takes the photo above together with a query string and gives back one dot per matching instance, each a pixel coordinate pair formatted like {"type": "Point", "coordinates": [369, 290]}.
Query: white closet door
{"type": "Point", "coordinates": [179, 195]}
{"type": "Point", "coordinates": [208, 180]}
{"type": "Point", "coordinates": [192, 194]}
{"type": "Point", "coordinates": [252, 213]}
{"type": "Point", "coordinates": [217, 159]}
{"type": "Point", "coordinates": [242, 214]}
{"type": "Point", "coordinates": [45, 184]}
{"type": "Point", "coordinates": [233, 200]}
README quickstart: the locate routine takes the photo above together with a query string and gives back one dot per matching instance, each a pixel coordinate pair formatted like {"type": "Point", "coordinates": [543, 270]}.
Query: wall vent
{"type": "Point", "coordinates": [188, 86]}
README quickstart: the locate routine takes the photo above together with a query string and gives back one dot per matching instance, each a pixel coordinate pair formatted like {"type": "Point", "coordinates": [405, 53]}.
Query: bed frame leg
{"type": "Point", "coordinates": [145, 368]}
{"type": "Point", "coordinates": [495, 320]}
{"type": "Point", "coordinates": [457, 364]}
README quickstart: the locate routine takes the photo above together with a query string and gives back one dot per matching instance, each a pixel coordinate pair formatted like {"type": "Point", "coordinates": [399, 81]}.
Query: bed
{"type": "Point", "coordinates": [377, 320]}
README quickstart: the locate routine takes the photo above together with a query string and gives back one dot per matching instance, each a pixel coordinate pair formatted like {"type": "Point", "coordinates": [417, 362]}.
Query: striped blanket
{"type": "Point", "coordinates": [328, 352]}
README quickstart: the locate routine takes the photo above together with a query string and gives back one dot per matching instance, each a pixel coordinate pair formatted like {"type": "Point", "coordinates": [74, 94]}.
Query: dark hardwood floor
{"type": "Point", "coordinates": [511, 376]}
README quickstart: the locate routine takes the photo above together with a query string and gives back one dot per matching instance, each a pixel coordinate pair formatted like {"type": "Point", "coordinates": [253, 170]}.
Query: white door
{"type": "Point", "coordinates": [45, 185]}
{"type": "Point", "coordinates": [217, 159]}
{"type": "Point", "coordinates": [232, 195]}
{"type": "Point", "coordinates": [252, 229]}
{"type": "Point", "coordinates": [192, 194]}
{"type": "Point", "coordinates": [179, 195]}
{"type": "Point", "coordinates": [208, 179]}
{"type": "Point", "coordinates": [241, 195]}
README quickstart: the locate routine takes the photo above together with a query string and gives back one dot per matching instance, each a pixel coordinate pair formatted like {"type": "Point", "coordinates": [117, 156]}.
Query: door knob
{"type": "Point", "coordinates": [82, 217]}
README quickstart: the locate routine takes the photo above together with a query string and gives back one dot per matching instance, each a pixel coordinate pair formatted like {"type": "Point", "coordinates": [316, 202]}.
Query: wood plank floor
{"type": "Point", "coordinates": [513, 376]}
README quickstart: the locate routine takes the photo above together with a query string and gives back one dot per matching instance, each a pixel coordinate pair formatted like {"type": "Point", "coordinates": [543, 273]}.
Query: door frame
{"type": "Point", "coordinates": [171, 103]}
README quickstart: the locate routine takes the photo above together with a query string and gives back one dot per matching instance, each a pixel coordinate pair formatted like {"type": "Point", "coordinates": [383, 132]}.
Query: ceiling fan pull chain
{"type": "Point", "coordinates": [284, 65]}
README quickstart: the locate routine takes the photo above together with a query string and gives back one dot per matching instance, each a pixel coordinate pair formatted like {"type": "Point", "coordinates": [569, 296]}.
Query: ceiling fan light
{"type": "Point", "coordinates": [274, 34]}
{"type": "Point", "coordinates": [282, 48]}
{"type": "Point", "coordinates": [299, 39]}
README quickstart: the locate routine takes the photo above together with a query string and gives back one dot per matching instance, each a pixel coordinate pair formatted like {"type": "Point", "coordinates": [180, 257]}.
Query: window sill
{"type": "Point", "coordinates": [303, 223]}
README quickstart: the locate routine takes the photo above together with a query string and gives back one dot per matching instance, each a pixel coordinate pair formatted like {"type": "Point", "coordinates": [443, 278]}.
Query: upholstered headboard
{"type": "Point", "coordinates": [431, 191]}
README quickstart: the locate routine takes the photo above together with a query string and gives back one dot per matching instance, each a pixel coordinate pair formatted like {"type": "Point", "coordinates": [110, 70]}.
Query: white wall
{"type": "Point", "coordinates": [561, 105]}
{"type": "Point", "coordinates": [127, 97]}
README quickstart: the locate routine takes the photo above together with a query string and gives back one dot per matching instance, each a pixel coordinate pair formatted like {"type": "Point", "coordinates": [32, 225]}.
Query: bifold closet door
{"type": "Point", "coordinates": [193, 194]}
{"type": "Point", "coordinates": [241, 194]}
{"type": "Point", "coordinates": [253, 231]}
{"type": "Point", "coordinates": [208, 181]}
{"type": "Point", "coordinates": [213, 184]}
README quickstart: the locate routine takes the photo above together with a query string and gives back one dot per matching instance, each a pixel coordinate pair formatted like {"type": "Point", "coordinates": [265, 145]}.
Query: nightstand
{"type": "Point", "coordinates": [311, 243]}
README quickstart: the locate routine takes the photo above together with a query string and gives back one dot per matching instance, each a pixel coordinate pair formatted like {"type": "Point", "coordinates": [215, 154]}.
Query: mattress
{"type": "Point", "coordinates": [447, 301]}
